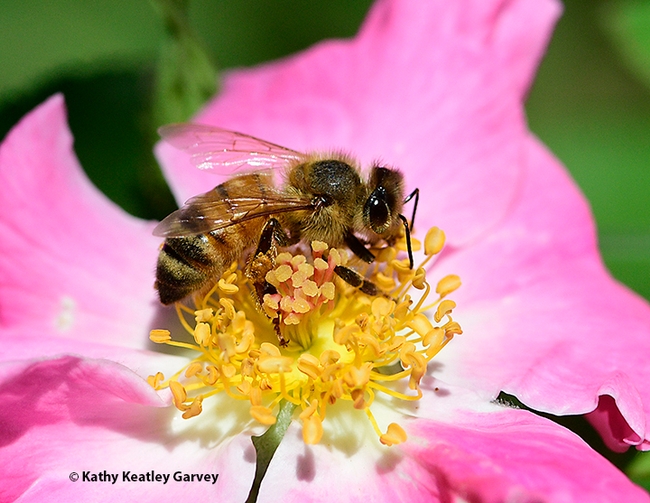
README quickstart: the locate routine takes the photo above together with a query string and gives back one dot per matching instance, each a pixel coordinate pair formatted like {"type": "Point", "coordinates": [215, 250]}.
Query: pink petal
{"type": "Point", "coordinates": [514, 455]}
{"type": "Point", "coordinates": [71, 262]}
{"type": "Point", "coordinates": [544, 321]}
{"type": "Point", "coordinates": [21, 344]}
{"type": "Point", "coordinates": [69, 414]}
{"type": "Point", "coordinates": [469, 450]}
{"type": "Point", "coordinates": [435, 89]}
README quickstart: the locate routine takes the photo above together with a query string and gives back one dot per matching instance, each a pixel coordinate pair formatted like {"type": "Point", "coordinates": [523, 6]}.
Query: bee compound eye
{"type": "Point", "coordinates": [378, 214]}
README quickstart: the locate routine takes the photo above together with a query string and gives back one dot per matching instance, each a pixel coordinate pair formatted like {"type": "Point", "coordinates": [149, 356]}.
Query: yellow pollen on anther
{"type": "Point", "coordinates": [320, 264]}
{"type": "Point", "coordinates": [262, 414]}
{"type": "Point", "coordinates": [193, 369]}
{"type": "Point", "coordinates": [394, 435]}
{"type": "Point", "coordinates": [160, 336]}
{"type": "Point", "coordinates": [227, 288]}
{"type": "Point", "coordinates": [194, 409]}
{"type": "Point", "coordinates": [308, 365]}
{"type": "Point", "coordinates": [312, 430]}
{"type": "Point", "coordinates": [447, 285]}
{"type": "Point", "coordinates": [338, 344]}
{"type": "Point", "coordinates": [202, 334]}
{"type": "Point", "coordinates": [203, 315]}
{"type": "Point", "coordinates": [155, 380]}
{"type": "Point", "coordinates": [444, 308]}
{"type": "Point", "coordinates": [434, 241]}
{"type": "Point", "coordinates": [318, 246]}
{"type": "Point", "coordinates": [452, 328]}
{"type": "Point", "coordinates": [283, 273]}
{"type": "Point", "coordinates": [310, 288]}
{"type": "Point", "coordinates": [179, 394]}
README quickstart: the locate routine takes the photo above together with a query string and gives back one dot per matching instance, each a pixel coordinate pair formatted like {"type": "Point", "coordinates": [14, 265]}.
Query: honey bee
{"type": "Point", "coordinates": [320, 197]}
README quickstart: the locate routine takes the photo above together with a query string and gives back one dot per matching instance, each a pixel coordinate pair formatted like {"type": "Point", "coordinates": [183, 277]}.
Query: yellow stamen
{"type": "Point", "coordinates": [193, 369]}
{"type": "Point", "coordinates": [262, 415]}
{"type": "Point", "coordinates": [227, 288]}
{"type": "Point", "coordinates": [160, 336]}
{"type": "Point", "coordinates": [312, 430]}
{"type": "Point", "coordinates": [205, 314]}
{"type": "Point", "coordinates": [155, 380]}
{"type": "Point", "coordinates": [447, 285]}
{"type": "Point", "coordinates": [194, 409]}
{"type": "Point", "coordinates": [342, 343]}
{"type": "Point", "coordinates": [434, 241]}
{"type": "Point", "coordinates": [179, 394]}
{"type": "Point", "coordinates": [202, 334]}
{"type": "Point", "coordinates": [444, 308]}
{"type": "Point", "coordinates": [394, 435]}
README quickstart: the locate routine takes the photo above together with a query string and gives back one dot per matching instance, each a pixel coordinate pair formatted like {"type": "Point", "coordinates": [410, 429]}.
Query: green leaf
{"type": "Point", "coordinates": [639, 470]}
{"type": "Point", "coordinates": [186, 77]}
{"type": "Point", "coordinates": [267, 444]}
{"type": "Point", "coordinates": [628, 24]}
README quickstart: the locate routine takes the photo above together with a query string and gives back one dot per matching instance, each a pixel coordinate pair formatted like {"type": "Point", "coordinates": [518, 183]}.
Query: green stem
{"type": "Point", "coordinates": [267, 444]}
{"type": "Point", "coordinates": [186, 77]}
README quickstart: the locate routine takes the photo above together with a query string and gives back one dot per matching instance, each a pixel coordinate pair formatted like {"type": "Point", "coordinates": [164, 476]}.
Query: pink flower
{"type": "Point", "coordinates": [435, 88]}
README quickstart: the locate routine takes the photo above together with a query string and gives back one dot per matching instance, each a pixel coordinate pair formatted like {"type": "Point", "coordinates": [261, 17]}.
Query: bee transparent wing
{"type": "Point", "coordinates": [213, 210]}
{"type": "Point", "coordinates": [224, 150]}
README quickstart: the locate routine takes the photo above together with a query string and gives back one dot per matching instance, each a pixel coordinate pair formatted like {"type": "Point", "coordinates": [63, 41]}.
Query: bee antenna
{"type": "Point", "coordinates": [407, 231]}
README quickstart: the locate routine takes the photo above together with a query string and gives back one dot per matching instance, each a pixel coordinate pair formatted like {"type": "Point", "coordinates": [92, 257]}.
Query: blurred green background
{"type": "Point", "coordinates": [590, 102]}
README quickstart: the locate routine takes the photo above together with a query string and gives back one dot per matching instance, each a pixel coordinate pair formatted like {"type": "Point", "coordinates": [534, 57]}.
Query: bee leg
{"type": "Point", "coordinates": [358, 248]}
{"type": "Point", "coordinates": [278, 330]}
{"type": "Point", "coordinates": [407, 232]}
{"type": "Point", "coordinates": [272, 236]}
{"type": "Point", "coordinates": [355, 279]}
{"type": "Point", "coordinates": [416, 194]}
{"type": "Point", "coordinates": [262, 261]}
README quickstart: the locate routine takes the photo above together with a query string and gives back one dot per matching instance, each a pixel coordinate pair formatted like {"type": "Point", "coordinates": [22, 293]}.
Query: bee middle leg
{"type": "Point", "coordinates": [262, 261]}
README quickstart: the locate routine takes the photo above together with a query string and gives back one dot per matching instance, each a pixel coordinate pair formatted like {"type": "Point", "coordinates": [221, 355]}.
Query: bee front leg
{"type": "Point", "coordinates": [262, 261]}
{"type": "Point", "coordinates": [358, 248]}
{"type": "Point", "coordinates": [355, 279]}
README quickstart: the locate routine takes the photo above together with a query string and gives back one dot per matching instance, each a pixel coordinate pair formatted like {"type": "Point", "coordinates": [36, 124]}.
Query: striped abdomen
{"type": "Point", "coordinates": [189, 263]}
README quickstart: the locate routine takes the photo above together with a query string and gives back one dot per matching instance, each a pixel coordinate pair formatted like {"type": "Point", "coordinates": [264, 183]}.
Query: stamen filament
{"type": "Point", "coordinates": [396, 394]}
{"type": "Point", "coordinates": [373, 422]}
{"type": "Point", "coordinates": [179, 309]}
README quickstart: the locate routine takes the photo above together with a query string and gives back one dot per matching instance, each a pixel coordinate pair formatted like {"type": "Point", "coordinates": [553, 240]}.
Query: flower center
{"type": "Point", "coordinates": [343, 345]}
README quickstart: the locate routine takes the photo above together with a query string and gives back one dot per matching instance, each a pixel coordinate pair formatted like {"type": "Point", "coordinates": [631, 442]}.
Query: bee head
{"type": "Point", "coordinates": [384, 204]}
